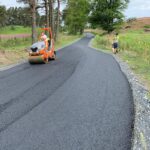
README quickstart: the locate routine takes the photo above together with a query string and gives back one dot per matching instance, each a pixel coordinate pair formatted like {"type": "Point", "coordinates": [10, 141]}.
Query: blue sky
{"type": "Point", "coordinates": [136, 8]}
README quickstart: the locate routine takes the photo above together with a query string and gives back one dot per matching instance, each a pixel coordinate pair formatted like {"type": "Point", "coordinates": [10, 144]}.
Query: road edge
{"type": "Point", "coordinates": [69, 44]}
{"type": "Point", "coordinates": [25, 60]}
{"type": "Point", "coordinates": [141, 129]}
{"type": "Point", "coordinates": [13, 65]}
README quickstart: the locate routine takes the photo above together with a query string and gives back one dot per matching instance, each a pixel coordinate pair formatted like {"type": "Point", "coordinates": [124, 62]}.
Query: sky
{"type": "Point", "coordinates": [136, 8]}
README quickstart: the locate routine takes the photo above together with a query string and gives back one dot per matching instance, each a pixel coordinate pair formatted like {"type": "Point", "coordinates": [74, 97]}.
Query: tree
{"type": "Point", "coordinates": [3, 16]}
{"type": "Point", "coordinates": [33, 7]}
{"type": "Point", "coordinates": [107, 13]}
{"type": "Point", "coordinates": [19, 16]}
{"type": "Point", "coordinates": [54, 15]}
{"type": "Point", "coordinates": [51, 14]}
{"type": "Point", "coordinates": [57, 20]}
{"type": "Point", "coordinates": [75, 15]}
{"type": "Point", "coordinates": [46, 5]}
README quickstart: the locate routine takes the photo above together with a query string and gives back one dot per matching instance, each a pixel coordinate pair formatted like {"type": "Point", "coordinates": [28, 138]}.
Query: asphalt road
{"type": "Point", "coordinates": [81, 101]}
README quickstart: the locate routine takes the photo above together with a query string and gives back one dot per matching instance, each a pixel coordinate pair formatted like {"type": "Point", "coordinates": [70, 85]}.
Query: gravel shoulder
{"type": "Point", "coordinates": [141, 132]}
{"type": "Point", "coordinates": [142, 109]}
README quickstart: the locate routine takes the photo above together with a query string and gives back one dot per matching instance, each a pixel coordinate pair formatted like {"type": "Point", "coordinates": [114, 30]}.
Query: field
{"type": "Point", "coordinates": [13, 50]}
{"type": "Point", "coordinates": [139, 23]}
{"type": "Point", "coordinates": [134, 46]}
{"type": "Point", "coordinates": [15, 30]}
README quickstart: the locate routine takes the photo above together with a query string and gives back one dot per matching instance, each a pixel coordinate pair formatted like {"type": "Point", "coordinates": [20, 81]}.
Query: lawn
{"type": "Point", "coordinates": [134, 49]}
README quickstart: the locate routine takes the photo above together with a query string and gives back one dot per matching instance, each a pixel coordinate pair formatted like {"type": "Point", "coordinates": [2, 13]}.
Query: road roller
{"type": "Point", "coordinates": [43, 50]}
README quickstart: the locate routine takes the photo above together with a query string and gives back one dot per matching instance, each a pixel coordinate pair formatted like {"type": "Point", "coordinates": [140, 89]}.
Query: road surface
{"type": "Point", "coordinates": [81, 101]}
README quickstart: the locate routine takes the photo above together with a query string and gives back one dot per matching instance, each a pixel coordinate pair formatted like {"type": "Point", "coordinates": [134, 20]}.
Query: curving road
{"type": "Point", "coordinates": [81, 101]}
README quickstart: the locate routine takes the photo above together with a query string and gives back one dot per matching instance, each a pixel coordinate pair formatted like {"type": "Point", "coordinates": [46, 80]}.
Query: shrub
{"type": "Point", "coordinates": [147, 26]}
{"type": "Point", "coordinates": [12, 28]}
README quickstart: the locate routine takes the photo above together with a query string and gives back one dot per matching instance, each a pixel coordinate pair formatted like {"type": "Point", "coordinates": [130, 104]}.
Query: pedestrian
{"type": "Point", "coordinates": [115, 43]}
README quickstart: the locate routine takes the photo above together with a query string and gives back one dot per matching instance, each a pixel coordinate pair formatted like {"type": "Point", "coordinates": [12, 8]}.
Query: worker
{"type": "Point", "coordinates": [45, 39]}
{"type": "Point", "coordinates": [115, 44]}
{"type": "Point", "coordinates": [43, 36]}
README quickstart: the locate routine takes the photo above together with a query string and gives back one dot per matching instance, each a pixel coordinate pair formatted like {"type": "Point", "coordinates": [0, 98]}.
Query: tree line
{"type": "Point", "coordinates": [52, 15]}
{"type": "Point", "coordinates": [106, 14]}
{"type": "Point", "coordinates": [15, 16]}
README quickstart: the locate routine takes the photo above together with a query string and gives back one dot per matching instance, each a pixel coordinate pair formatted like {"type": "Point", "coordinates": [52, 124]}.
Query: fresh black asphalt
{"type": "Point", "coordinates": [81, 101]}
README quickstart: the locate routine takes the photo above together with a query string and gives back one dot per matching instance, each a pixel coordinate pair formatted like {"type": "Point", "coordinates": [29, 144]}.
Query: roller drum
{"type": "Point", "coordinates": [36, 59]}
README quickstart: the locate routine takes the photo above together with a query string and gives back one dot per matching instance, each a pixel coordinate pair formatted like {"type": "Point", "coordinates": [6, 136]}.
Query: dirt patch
{"type": "Point", "coordinates": [11, 36]}
{"type": "Point", "coordinates": [139, 23]}
{"type": "Point", "coordinates": [8, 58]}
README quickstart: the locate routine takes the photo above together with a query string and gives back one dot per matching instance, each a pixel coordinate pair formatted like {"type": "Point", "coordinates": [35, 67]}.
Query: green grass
{"type": "Point", "coordinates": [147, 26]}
{"type": "Point", "coordinates": [134, 49]}
{"type": "Point", "coordinates": [21, 43]}
{"type": "Point", "coordinates": [15, 30]}
{"type": "Point", "coordinates": [65, 39]}
{"type": "Point", "coordinates": [14, 44]}
{"type": "Point", "coordinates": [13, 50]}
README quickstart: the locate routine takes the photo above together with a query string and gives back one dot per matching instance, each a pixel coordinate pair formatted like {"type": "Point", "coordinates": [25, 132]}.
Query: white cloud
{"type": "Point", "coordinates": [140, 5]}
{"type": "Point", "coordinates": [138, 8]}
{"type": "Point", "coordinates": [10, 3]}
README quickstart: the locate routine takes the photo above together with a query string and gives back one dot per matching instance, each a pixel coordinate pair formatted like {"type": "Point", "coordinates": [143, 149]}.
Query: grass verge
{"type": "Point", "coordinates": [15, 30]}
{"type": "Point", "coordinates": [134, 48]}
{"type": "Point", "coordinates": [65, 39]}
{"type": "Point", "coordinates": [13, 50]}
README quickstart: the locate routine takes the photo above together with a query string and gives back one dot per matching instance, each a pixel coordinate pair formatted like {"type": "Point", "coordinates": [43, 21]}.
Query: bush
{"type": "Point", "coordinates": [12, 28]}
{"type": "Point", "coordinates": [130, 20]}
{"type": "Point", "coordinates": [147, 26]}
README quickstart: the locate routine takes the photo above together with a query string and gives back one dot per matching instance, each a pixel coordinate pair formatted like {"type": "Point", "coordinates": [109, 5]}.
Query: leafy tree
{"type": "Point", "coordinates": [33, 4]}
{"type": "Point", "coordinates": [107, 13]}
{"type": "Point", "coordinates": [19, 16]}
{"type": "Point", "coordinates": [3, 16]}
{"type": "Point", "coordinates": [52, 16]}
{"type": "Point", "coordinates": [57, 20]}
{"type": "Point", "coordinates": [75, 15]}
